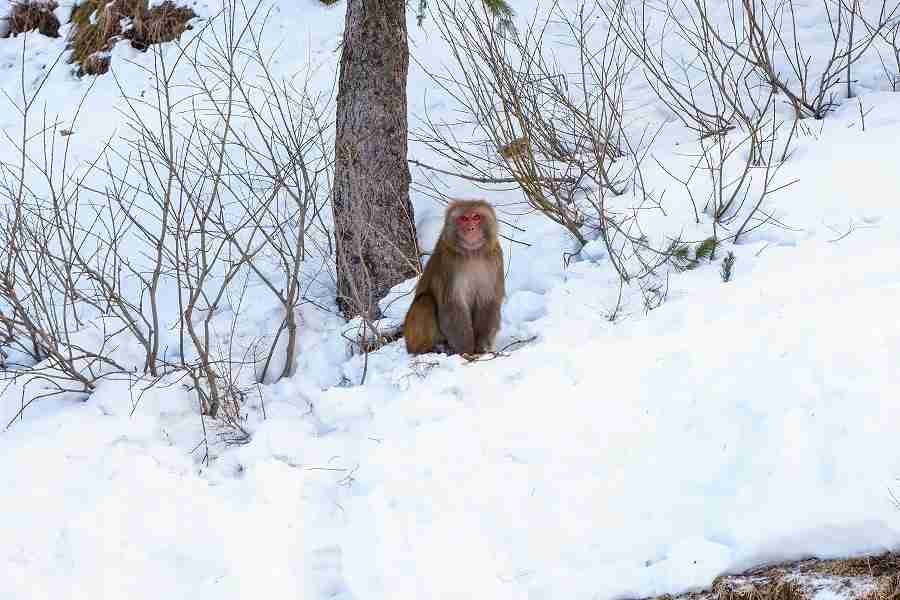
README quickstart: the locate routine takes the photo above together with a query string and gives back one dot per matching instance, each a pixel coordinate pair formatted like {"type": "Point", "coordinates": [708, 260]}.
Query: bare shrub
{"type": "Point", "coordinates": [810, 92]}
{"type": "Point", "coordinates": [890, 38]}
{"type": "Point", "coordinates": [55, 281]}
{"type": "Point", "coordinates": [33, 15]}
{"type": "Point", "coordinates": [725, 88]}
{"type": "Point", "coordinates": [555, 131]}
{"type": "Point", "coordinates": [552, 120]}
{"type": "Point", "coordinates": [753, 42]}
{"type": "Point", "coordinates": [551, 134]}
{"type": "Point", "coordinates": [283, 163]}
{"type": "Point", "coordinates": [735, 197]}
{"type": "Point", "coordinates": [235, 186]}
{"type": "Point", "coordinates": [156, 246]}
{"type": "Point", "coordinates": [712, 90]}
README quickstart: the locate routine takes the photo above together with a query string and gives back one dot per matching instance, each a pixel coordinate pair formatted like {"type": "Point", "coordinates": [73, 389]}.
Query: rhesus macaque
{"type": "Point", "coordinates": [458, 297]}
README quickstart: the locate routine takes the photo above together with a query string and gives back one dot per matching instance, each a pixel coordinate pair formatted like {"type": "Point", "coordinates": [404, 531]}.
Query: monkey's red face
{"type": "Point", "coordinates": [470, 225]}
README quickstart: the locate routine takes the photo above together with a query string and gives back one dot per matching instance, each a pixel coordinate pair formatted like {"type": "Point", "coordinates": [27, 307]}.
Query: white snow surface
{"type": "Point", "coordinates": [738, 423]}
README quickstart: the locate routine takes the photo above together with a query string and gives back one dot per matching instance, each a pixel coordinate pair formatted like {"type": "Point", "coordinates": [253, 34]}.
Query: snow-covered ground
{"type": "Point", "coordinates": [737, 423]}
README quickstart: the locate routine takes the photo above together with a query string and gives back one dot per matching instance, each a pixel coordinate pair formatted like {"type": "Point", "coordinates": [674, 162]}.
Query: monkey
{"type": "Point", "coordinates": [458, 297]}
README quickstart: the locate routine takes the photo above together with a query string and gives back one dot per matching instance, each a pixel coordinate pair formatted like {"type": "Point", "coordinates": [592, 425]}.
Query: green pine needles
{"type": "Point", "coordinates": [727, 266]}
{"type": "Point", "coordinates": [679, 254]}
{"type": "Point", "coordinates": [500, 9]}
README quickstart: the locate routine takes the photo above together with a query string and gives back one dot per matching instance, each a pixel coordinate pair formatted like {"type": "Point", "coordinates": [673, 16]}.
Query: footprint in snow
{"type": "Point", "coordinates": [327, 573]}
{"type": "Point", "coordinates": [525, 306]}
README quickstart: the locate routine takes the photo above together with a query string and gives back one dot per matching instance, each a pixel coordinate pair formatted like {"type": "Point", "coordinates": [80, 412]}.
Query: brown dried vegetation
{"type": "Point", "coordinates": [517, 147]}
{"type": "Point", "coordinates": [864, 578]}
{"type": "Point", "coordinates": [97, 26]}
{"type": "Point", "coordinates": [28, 16]}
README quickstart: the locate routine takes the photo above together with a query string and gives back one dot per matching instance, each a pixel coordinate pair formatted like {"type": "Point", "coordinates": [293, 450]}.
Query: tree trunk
{"type": "Point", "coordinates": [373, 218]}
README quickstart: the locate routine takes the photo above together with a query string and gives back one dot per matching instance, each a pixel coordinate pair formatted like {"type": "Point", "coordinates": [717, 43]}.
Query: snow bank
{"type": "Point", "coordinates": [649, 457]}
{"type": "Point", "coordinates": [99, 505]}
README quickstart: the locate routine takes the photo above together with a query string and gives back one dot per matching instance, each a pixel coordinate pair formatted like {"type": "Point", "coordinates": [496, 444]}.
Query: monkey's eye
{"type": "Point", "coordinates": [476, 217]}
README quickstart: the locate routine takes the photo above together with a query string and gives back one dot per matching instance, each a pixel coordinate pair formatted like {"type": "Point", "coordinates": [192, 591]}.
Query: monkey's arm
{"type": "Point", "coordinates": [456, 325]}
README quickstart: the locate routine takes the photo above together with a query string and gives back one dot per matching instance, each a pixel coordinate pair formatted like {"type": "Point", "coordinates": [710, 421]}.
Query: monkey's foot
{"type": "Point", "coordinates": [442, 348]}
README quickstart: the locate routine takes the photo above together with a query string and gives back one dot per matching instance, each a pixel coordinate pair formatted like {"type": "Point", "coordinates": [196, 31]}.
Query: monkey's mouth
{"type": "Point", "coordinates": [475, 243]}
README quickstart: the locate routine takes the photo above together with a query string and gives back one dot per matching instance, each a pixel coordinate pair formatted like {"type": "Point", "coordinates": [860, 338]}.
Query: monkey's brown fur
{"type": "Point", "coordinates": [459, 295]}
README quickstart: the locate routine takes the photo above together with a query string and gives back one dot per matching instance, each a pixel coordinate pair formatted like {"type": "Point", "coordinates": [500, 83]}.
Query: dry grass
{"type": "Point", "coordinates": [95, 29]}
{"type": "Point", "coordinates": [887, 587]}
{"type": "Point", "coordinates": [758, 588]}
{"type": "Point", "coordinates": [97, 26]}
{"type": "Point", "coordinates": [28, 16]}
{"type": "Point", "coordinates": [875, 566]}
{"type": "Point", "coordinates": [95, 64]}
{"type": "Point", "coordinates": [862, 578]}
{"type": "Point", "coordinates": [163, 23]}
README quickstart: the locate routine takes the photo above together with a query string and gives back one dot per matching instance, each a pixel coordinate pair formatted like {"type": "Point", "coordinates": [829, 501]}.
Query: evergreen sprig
{"type": "Point", "coordinates": [500, 9]}
{"type": "Point", "coordinates": [706, 249]}
{"type": "Point", "coordinates": [727, 267]}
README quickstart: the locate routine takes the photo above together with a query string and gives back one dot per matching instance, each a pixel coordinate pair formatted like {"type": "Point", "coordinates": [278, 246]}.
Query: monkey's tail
{"type": "Point", "coordinates": [420, 328]}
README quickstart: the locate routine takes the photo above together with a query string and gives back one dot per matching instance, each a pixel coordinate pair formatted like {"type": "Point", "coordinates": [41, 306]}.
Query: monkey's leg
{"type": "Point", "coordinates": [485, 323]}
{"type": "Point", "coordinates": [456, 324]}
{"type": "Point", "coordinates": [420, 329]}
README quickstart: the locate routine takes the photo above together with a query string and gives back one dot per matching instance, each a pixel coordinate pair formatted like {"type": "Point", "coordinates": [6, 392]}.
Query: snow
{"type": "Point", "coordinates": [736, 424]}
{"type": "Point", "coordinates": [650, 456]}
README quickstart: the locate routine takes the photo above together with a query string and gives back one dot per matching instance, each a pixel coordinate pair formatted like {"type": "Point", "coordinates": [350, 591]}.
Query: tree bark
{"type": "Point", "coordinates": [373, 217]}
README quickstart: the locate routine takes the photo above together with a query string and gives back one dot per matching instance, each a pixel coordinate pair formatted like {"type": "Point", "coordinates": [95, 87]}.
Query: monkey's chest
{"type": "Point", "coordinates": [473, 283]}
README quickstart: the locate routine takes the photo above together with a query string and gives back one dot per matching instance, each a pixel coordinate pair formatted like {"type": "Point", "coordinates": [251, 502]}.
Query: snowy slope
{"type": "Point", "coordinates": [737, 423]}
